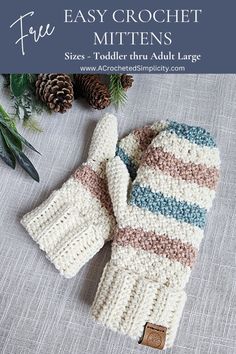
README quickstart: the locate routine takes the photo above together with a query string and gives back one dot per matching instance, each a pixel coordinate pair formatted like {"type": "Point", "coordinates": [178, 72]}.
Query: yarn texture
{"type": "Point", "coordinates": [72, 225]}
{"type": "Point", "coordinates": [160, 220]}
{"type": "Point", "coordinates": [74, 222]}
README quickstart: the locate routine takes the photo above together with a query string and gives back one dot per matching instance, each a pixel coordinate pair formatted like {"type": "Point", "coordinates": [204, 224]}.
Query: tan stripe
{"type": "Point", "coordinates": [161, 225]}
{"type": "Point", "coordinates": [190, 172]}
{"type": "Point", "coordinates": [96, 185]}
{"type": "Point", "coordinates": [187, 151]}
{"type": "Point", "coordinates": [135, 143]}
{"type": "Point", "coordinates": [175, 187]}
{"type": "Point", "coordinates": [156, 267]}
{"type": "Point", "coordinates": [161, 245]}
{"type": "Point", "coordinates": [144, 136]}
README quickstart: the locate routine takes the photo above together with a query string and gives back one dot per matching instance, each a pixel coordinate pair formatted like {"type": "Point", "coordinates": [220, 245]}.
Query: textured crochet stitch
{"type": "Point", "coordinates": [159, 229]}
{"type": "Point", "coordinates": [74, 222]}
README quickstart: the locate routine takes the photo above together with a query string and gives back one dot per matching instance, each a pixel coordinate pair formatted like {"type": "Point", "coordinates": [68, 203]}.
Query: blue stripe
{"type": "Point", "coordinates": [196, 135]}
{"type": "Point", "coordinates": [143, 197]}
{"type": "Point", "coordinates": [127, 161]}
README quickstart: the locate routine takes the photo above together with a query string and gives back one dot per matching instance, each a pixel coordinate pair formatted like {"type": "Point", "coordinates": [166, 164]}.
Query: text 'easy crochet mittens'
{"type": "Point", "coordinates": [160, 227]}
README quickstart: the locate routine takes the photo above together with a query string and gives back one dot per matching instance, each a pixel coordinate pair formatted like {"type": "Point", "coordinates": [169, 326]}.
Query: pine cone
{"type": "Point", "coordinates": [93, 90]}
{"type": "Point", "coordinates": [56, 91]}
{"type": "Point", "coordinates": [126, 81]}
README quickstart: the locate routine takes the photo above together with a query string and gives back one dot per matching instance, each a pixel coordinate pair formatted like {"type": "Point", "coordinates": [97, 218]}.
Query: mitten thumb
{"type": "Point", "coordinates": [118, 184]}
{"type": "Point", "coordinates": [104, 140]}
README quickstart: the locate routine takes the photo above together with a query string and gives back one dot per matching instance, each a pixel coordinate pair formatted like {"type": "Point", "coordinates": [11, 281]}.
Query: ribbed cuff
{"type": "Point", "coordinates": [125, 302]}
{"type": "Point", "coordinates": [76, 249]}
{"type": "Point", "coordinates": [46, 223]}
{"type": "Point", "coordinates": [68, 233]}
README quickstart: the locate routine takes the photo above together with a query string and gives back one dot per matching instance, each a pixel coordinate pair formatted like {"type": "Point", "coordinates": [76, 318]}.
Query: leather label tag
{"type": "Point", "coordinates": [154, 336]}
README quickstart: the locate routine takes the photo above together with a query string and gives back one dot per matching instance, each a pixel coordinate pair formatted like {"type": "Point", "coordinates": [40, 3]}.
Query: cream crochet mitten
{"type": "Point", "coordinates": [141, 292]}
{"type": "Point", "coordinates": [74, 222]}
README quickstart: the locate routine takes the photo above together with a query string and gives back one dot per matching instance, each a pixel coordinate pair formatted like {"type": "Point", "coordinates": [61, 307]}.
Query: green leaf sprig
{"type": "Point", "coordinates": [11, 145]}
{"type": "Point", "coordinates": [19, 83]}
{"type": "Point", "coordinates": [118, 94]}
{"type": "Point", "coordinates": [25, 102]}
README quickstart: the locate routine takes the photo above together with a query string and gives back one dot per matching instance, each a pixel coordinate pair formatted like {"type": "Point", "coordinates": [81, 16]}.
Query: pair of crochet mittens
{"type": "Point", "coordinates": [157, 222]}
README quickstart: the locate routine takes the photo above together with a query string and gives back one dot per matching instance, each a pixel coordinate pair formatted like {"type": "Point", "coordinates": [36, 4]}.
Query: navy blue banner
{"type": "Point", "coordinates": [131, 36]}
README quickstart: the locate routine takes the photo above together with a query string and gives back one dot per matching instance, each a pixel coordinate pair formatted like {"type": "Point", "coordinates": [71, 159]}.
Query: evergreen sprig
{"type": "Point", "coordinates": [118, 94]}
{"type": "Point", "coordinates": [11, 145]}
{"type": "Point", "coordinates": [25, 102]}
{"type": "Point", "coordinates": [24, 108]}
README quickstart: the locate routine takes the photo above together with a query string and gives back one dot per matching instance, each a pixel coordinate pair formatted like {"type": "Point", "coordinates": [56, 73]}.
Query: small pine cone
{"type": "Point", "coordinates": [93, 90]}
{"type": "Point", "coordinates": [56, 91]}
{"type": "Point", "coordinates": [126, 81]}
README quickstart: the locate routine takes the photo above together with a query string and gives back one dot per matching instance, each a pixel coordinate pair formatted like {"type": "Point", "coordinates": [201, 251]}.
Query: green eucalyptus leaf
{"type": "Point", "coordinates": [10, 140]}
{"type": "Point", "coordinates": [6, 118]}
{"type": "Point", "coordinates": [19, 83]}
{"type": "Point", "coordinates": [22, 159]}
{"type": "Point", "coordinates": [6, 154]}
{"type": "Point", "coordinates": [26, 164]}
{"type": "Point", "coordinates": [17, 135]}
